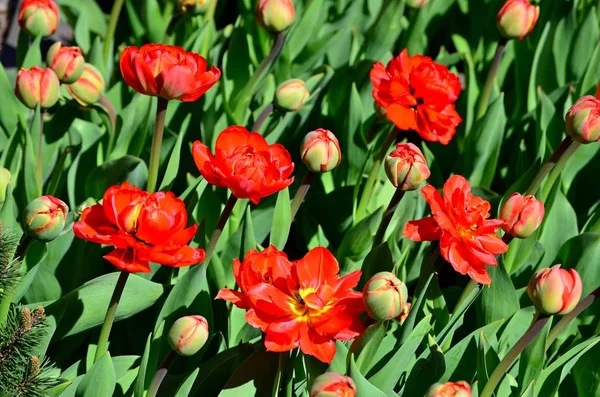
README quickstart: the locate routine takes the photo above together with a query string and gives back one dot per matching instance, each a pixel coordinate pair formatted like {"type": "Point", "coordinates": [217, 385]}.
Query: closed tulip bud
{"type": "Point", "coordinates": [188, 334]}
{"type": "Point", "coordinates": [385, 296]}
{"type": "Point", "coordinates": [275, 15]}
{"type": "Point", "coordinates": [67, 62]}
{"type": "Point", "coordinates": [37, 86]}
{"type": "Point", "coordinates": [89, 87]}
{"type": "Point", "coordinates": [405, 313]}
{"type": "Point", "coordinates": [555, 290]}
{"type": "Point", "coordinates": [406, 167]}
{"type": "Point", "coordinates": [5, 179]}
{"type": "Point", "coordinates": [416, 3]}
{"type": "Point", "coordinates": [291, 95]}
{"type": "Point", "coordinates": [39, 17]}
{"type": "Point", "coordinates": [332, 384]}
{"type": "Point", "coordinates": [583, 120]}
{"type": "Point", "coordinates": [320, 151]}
{"type": "Point", "coordinates": [450, 389]}
{"type": "Point", "coordinates": [523, 215]}
{"type": "Point", "coordinates": [45, 217]}
{"type": "Point", "coordinates": [517, 18]}
{"type": "Point", "coordinates": [198, 6]}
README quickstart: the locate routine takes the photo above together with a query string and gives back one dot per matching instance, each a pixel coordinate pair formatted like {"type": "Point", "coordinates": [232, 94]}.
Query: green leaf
{"type": "Point", "coordinates": [174, 160]}
{"type": "Point", "coordinates": [560, 215]}
{"type": "Point", "coordinates": [82, 34]}
{"type": "Point", "coordinates": [254, 377]}
{"type": "Point", "coordinates": [185, 388]}
{"type": "Point", "coordinates": [428, 369]}
{"type": "Point", "coordinates": [303, 31]}
{"type": "Point", "coordinates": [581, 253]}
{"type": "Point", "coordinates": [487, 360]}
{"type": "Point", "coordinates": [9, 111]}
{"type": "Point", "coordinates": [583, 45]}
{"type": "Point", "coordinates": [499, 300]}
{"type": "Point", "coordinates": [140, 382]}
{"type": "Point", "coordinates": [100, 380]}
{"type": "Point", "coordinates": [365, 346]}
{"type": "Point", "coordinates": [385, 32]}
{"type": "Point", "coordinates": [115, 172]}
{"type": "Point", "coordinates": [363, 386]}
{"type": "Point", "coordinates": [531, 362]}
{"type": "Point", "coordinates": [154, 22]}
{"type": "Point", "coordinates": [415, 310]}
{"type": "Point", "coordinates": [282, 220]}
{"type": "Point", "coordinates": [248, 238]}
{"type": "Point", "coordinates": [34, 54]}
{"type": "Point", "coordinates": [357, 242]}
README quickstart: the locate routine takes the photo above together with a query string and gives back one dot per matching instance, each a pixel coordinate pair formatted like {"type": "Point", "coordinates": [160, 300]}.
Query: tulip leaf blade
{"type": "Point", "coordinates": [175, 159]}
{"type": "Point", "coordinates": [363, 386]}
{"type": "Point", "coordinates": [282, 220]}
{"type": "Point", "coordinates": [100, 380]}
{"type": "Point", "coordinates": [186, 386]}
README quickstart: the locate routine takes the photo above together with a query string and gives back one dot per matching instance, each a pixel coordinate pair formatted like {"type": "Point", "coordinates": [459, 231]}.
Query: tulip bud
{"type": "Point", "coordinates": [583, 120]}
{"type": "Point", "coordinates": [67, 62]}
{"type": "Point", "coordinates": [275, 15]}
{"type": "Point", "coordinates": [332, 384]}
{"type": "Point", "coordinates": [320, 151]}
{"type": "Point", "coordinates": [385, 296]}
{"type": "Point", "coordinates": [45, 217]}
{"type": "Point", "coordinates": [450, 389]}
{"type": "Point", "coordinates": [291, 95]}
{"type": "Point", "coordinates": [88, 89]}
{"type": "Point", "coordinates": [416, 3]}
{"type": "Point", "coordinates": [523, 215]}
{"type": "Point", "coordinates": [406, 167]}
{"type": "Point", "coordinates": [5, 179]}
{"type": "Point", "coordinates": [517, 18]}
{"type": "Point", "coordinates": [39, 17]}
{"type": "Point", "coordinates": [188, 335]}
{"type": "Point", "coordinates": [37, 86]}
{"type": "Point", "coordinates": [555, 290]}
{"type": "Point", "coordinates": [198, 6]}
{"type": "Point", "coordinates": [405, 313]}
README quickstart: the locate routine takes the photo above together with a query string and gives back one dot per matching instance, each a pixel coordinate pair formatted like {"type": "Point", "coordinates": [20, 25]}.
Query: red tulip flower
{"type": "Point", "coordinates": [167, 71]}
{"type": "Point", "coordinates": [245, 163]}
{"type": "Point", "coordinates": [418, 94]}
{"type": "Point", "coordinates": [298, 304]}
{"type": "Point", "coordinates": [142, 227]}
{"type": "Point", "coordinates": [460, 221]}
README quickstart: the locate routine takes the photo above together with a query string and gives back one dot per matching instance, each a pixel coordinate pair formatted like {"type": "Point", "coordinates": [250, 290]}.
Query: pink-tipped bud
{"type": "Point", "coordinates": [332, 384]}
{"type": "Point", "coordinates": [385, 296]}
{"type": "Point", "coordinates": [320, 151]}
{"type": "Point", "coordinates": [406, 167]}
{"type": "Point", "coordinates": [583, 120]}
{"type": "Point", "coordinates": [517, 18]}
{"type": "Point", "coordinates": [555, 290]}
{"type": "Point", "coordinates": [188, 334]}
{"type": "Point", "coordinates": [89, 87]}
{"type": "Point", "coordinates": [5, 180]}
{"type": "Point", "coordinates": [416, 3]}
{"type": "Point", "coordinates": [291, 95]}
{"type": "Point", "coordinates": [39, 17]}
{"type": "Point", "coordinates": [450, 389]}
{"type": "Point", "coordinates": [67, 62]}
{"type": "Point", "coordinates": [275, 15]}
{"type": "Point", "coordinates": [44, 218]}
{"type": "Point", "coordinates": [523, 215]}
{"type": "Point", "coordinates": [197, 6]}
{"type": "Point", "coordinates": [37, 86]}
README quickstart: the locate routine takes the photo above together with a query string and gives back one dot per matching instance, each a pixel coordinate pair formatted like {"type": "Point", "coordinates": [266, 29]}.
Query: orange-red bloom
{"type": "Point", "coordinates": [460, 221]}
{"type": "Point", "coordinates": [167, 71]}
{"type": "Point", "coordinates": [298, 304]}
{"type": "Point", "coordinates": [245, 163]}
{"type": "Point", "coordinates": [143, 227]}
{"type": "Point", "coordinates": [418, 94]}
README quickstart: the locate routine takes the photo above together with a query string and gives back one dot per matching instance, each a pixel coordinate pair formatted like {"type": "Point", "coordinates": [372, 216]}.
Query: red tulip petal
{"type": "Point", "coordinates": [278, 342]}
{"type": "Point", "coordinates": [321, 347]}
{"type": "Point", "coordinates": [203, 83]}
{"type": "Point", "coordinates": [403, 117]}
{"type": "Point", "coordinates": [94, 226]}
{"type": "Point", "coordinates": [317, 267]}
{"type": "Point", "coordinates": [425, 229]}
{"type": "Point", "coordinates": [175, 82]}
{"type": "Point", "coordinates": [235, 297]}
{"type": "Point", "coordinates": [125, 259]}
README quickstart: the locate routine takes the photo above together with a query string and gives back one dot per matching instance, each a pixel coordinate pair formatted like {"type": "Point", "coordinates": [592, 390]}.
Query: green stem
{"type": "Point", "coordinates": [214, 238]}
{"type": "Point", "coordinates": [161, 372]}
{"type": "Point", "coordinates": [387, 216]}
{"type": "Point", "coordinates": [484, 98]}
{"type": "Point", "coordinates": [262, 117]}
{"type": "Point", "coordinates": [111, 29]}
{"type": "Point", "coordinates": [558, 167]}
{"type": "Point", "coordinates": [365, 198]}
{"type": "Point", "coordinates": [548, 165]}
{"type": "Point", "coordinates": [512, 355]}
{"type": "Point", "coordinates": [283, 358]}
{"type": "Point", "coordinates": [39, 171]}
{"type": "Point", "coordinates": [567, 318]}
{"type": "Point", "coordinates": [109, 318]}
{"type": "Point", "coordinates": [157, 137]}
{"type": "Point", "coordinates": [301, 193]}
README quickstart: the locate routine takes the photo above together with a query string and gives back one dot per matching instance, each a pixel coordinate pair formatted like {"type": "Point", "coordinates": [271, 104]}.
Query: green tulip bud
{"type": "Point", "coordinates": [320, 151]}
{"type": "Point", "coordinates": [385, 296]}
{"type": "Point", "coordinates": [88, 89]}
{"type": "Point", "coordinates": [188, 335]}
{"type": "Point", "coordinates": [45, 217]}
{"type": "Point", "coordinates": [275, 15]}
{"type": "Point", "coordinates": [291, 95]}
{"type": "Point", "coordinates": [37, 86]}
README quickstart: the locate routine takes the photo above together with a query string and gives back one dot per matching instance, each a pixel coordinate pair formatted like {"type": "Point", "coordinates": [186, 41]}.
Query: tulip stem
{"type": "Point", "coordinates": [39, 171]}
{"type": "Point", "coordinates": [549, 164]}
{"type": "Point", "coordinates": [365, 198]}
{"type": "Point", "coordinates": [558, 167]}
{"type": "Point", "coordinates": [109, 108]}
{"type": "Point", "coordinates": [301, 193]}
{"type": "Point", "coordinates": [566, 319]}
{"type": "Point", "coordinates": [512, 355]}
{"type": "Point", "coordinates": [214, 238]}
{"type": "Point", "coordinates": [484, 98]}
{"type": "Point", "coordinates": [387, 216]}
{"type": "Point", "coordinates": [111, 29]}
{"type": "Point", "coordinates": [109, 318]}
{"type": "Point", "coordinates": [262, 117]}
{"type": "Point", "coordinates": [161, 372]}
{"type": "Point", "coordinates": [157, 137]}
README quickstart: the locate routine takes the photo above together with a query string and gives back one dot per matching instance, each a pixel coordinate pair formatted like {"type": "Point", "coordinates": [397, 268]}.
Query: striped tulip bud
{"type": "Point", "coordinates": [5, 180]}
{"type": "Point", "coordinates": [517, 18]}
{"type": "Point", "coordinates": [198, 6]}
{"type": "Point", "coordinates": [450, 389]}
{"type": "Point", "coordinates": [275, 15]}
{"type": "Point", "coordinates": [45, 217]}
{"type": "Point", "coordinates": [555, 290]}
{"type": "Point", "coordinates": [583, 120]}
{"type": "Point", "coordinates": [188, 334]}
{"type": "Point", "coordinates": [39, 17]}
{"type": "Point", "coordinates": [291, 95]}
{"type": "Point", "coordinates": [332, 384]}
{"type": "Point", "coordinates": [37, 86]}
{"type": "Point", "coordinates": [320, 151]}
{"type": "Point", "coordinates": [67, 62]}
{"type": "Point", "coordinates": [416, 3]}
{"type": "Point", "coordinates": [88, 89]}
{"type": "Point", "coordinates": [523, 215]}
{"type": "Point", "coordinates": [406, 167]}
{"type": "Point", "coordinates": [385, 296]}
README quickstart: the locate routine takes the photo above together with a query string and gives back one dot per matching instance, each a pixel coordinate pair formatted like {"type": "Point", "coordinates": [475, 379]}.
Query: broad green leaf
{"type": "Point", "coordinates": [185, 388]}
{"type": "Point", "coordinates": [581, 253]}
{"type": "Point", "coordinates": [100, 380]}
{"type": "Point", "coordinates": [531, 361]}
{"type": "Point", "coordinates": [583, 45]}
{"type": "Point", "coordinates": [282, 220]}
{"type": "Point", "coordinates": [499, 300]}
{"type": "Point", "coordinates": [140, 383]}
{"type": "Point", "coordinates": [407, 328]}
{"type": "Point", "coordinates": [363, 386]}
{"type": "Point", "coordinates": [385, 32]}
{"type": "Point", "coordinates": [254, 376]}
{"type": "Point", "coordinates": [357, 242]}
{"type": "Point", "coordinates": [428, 369]}
{"type": "Point", "coordinates": [303, 31]}
{"type": "Point", "coordinates": [585, 373]}
{"type": "Point", "coordinates": [248, 238]}
{"type": "Point", "coordinates": [9, 111]}
{"type": "Point", "coordinates": [34, 54]}
{"type": "Point", "coordinates": [487, 359]}
{"type": "Point", "coordinates": [115, 172]}
{"type": "Point", "coordinates": [174, 160]}
{"type": "Point", "coordinates": [365, 346]}
{"type": "Point", "coordinates": [560, 215]}
{"type": "Point", "coordinates": [82, 34]}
